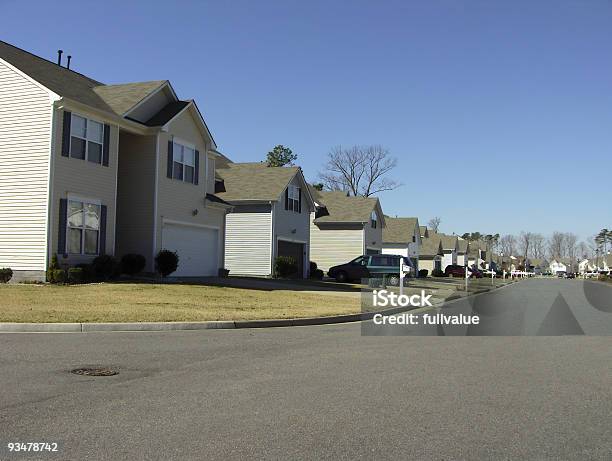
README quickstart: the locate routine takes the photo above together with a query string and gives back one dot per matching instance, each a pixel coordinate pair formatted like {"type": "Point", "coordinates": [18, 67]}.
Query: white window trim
{"type": "Point", "coordinates": [373, 219]}
{"type": "Point", "coordinates": [87, 141]}
{"type": "Point", "coordinates": [84, 201]}
{"type": "Point", "coordinates": [294, 202]}
{"type": "Point", "coordinates": [175, 142]}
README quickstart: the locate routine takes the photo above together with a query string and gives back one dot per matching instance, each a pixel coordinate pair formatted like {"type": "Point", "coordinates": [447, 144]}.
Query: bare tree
{"type": "Point", "coordinates": [359, 170]}
{"type": "Point", "coordinates": [556, 245]}
{"type": "Point", "coordinates": [525, 241]}
{"type": "Point", "coordinates": [508, 244]}
{"type": "Point", "coordinates": [434, 223]}
{"type": "Point", "coordinates": [538, 246]}
{"type": "Point", "coordinates": [570, 247]}
{"type": "Point", "coordinates": [583, 250]}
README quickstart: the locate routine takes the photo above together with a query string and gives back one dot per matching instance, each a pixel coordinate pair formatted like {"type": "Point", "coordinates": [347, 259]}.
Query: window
{"type": "Point", "coordinates": [373, 219]}
{"type": "Point", "coordinates": [86, 139]}
{"type": "Point", "coordinates": [293, 199]}
{"type": "Point", "coordinates": [360, 261]}
{"type": "Point", "coordinates": [83, 227]}
{"type": "Point", "coordinates": [183, 163]}
{"type": "Point", "coordinates": [388, 261]}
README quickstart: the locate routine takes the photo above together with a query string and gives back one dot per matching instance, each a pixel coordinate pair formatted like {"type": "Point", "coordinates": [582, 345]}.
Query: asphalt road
{"type": "Point", "coordinates": [324, 392]}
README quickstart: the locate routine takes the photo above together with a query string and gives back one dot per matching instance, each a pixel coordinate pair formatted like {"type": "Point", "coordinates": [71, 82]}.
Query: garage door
{"type": "Point", "coordinates": [197, 248]}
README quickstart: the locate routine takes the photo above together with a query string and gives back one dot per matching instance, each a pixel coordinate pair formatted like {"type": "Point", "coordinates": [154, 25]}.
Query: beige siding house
{"type": "Point", "coordinates": [270, 217]}
{"type": "Point", "coordinates": [90, 169]}
{"type": "Point", "coordinates": [402, 236]}
{"type": "Point", "coordinates": [343, 228]}
{"type": "Point", "coordinates": [431, 253]}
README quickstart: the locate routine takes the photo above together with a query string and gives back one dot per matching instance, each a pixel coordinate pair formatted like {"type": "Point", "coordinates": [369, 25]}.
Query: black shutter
{"type": "Point", "coordinates": [63, 217]}
{"type": "Point", "coordinates": [66, 134]}
{"type": "Point", "coordinates": [196, 173]}
{"type": "Point", "coordinates": [300, 201]}
{"type": "Point", "coordinates": [287, 198]}
{"type": "Point", "coordinates": [102, 230]}
{"type": "Point", "coordinates": [170, 159]}
{"type": "Point", "coordinates": [106, 145]}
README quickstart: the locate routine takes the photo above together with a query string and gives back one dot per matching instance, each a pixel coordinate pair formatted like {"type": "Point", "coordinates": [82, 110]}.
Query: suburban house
{"type": "Point", "coordinates": [450, 247]}
{"type": "Point", "coordinates": [88, 169]}
{"type": "Point", "coordinates": [401, 236]}
{"type": "Point", "coordinates": [463, 247]}
{"type": "Point", "coordinates": [424, 232]}
{"type": "Point", "coordinates": [270, 217]}
{"type": "Point", "coordinates": [596, 264]}
{"type": "Point", "coordinates": [560, 265]}
{"type": "Point", "coordinates": [344, 227]}
{"type": "Point", "coordinates": [431, 253]}
{"type": "Point", "coordinates": [477, 254]}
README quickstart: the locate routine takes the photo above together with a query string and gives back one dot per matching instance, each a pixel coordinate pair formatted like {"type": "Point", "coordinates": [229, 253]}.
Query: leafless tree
{"type": "Point", "coordinates": [525, 241]}
{"type": "Point", "coordinates": [538, 246]}
{"type": "Point", "coordinates": [508, 244]}
{"type": "Point", "coordinates": [571, 241]}
{"type": "Point", "coordinates": [583, 250]}
{"type": "Point", "coordinates": [556, 245]}
{"type": "Point", "coordinates": [434, 223]}
{"type": "Point", "coordinates": [359, 170]}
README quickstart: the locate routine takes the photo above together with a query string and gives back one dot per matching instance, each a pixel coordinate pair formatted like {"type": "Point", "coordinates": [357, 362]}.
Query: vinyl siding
{"type": "Point", "coordinates": [135, 196]}
{"type": "Point", "coordinates": [84, 179]}
{"type": "Point", "coordinates": [25, 129]}
{"type": "Point", "coordinates": [248, 243]}
{"type": "Point", "coordinates": [330, 247]}
{"type": "Point", "coordinates": [178, 200]}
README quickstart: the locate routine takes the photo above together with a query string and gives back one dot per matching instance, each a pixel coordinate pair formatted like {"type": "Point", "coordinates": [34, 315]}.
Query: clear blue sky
{"type": "Point", "coordinates": [467, 95]}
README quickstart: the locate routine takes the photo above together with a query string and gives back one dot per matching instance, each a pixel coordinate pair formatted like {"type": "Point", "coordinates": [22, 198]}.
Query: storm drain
{"type": "Point", "coordinates": [95, 371]}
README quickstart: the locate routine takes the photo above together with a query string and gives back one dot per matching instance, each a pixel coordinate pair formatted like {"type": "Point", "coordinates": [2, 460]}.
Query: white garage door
{"type": "Point", "coordinates": [197, 248]}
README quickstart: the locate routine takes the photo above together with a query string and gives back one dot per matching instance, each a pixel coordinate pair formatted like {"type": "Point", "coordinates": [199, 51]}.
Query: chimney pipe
{"type": "Point", "coordinates": [59, 57]}
{"type": "Point", "coordinates": [68, 65]}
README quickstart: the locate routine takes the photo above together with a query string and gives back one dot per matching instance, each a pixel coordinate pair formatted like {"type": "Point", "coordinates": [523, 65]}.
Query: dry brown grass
{"type": "Point", "coordinates": [130, 302]}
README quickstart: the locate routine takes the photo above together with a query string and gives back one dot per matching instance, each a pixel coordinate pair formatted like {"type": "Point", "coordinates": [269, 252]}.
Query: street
{"type": "Point", "coordinates": [327, 392]}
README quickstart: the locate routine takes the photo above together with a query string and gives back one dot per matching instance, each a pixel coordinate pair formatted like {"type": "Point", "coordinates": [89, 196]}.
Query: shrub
{"type": "Point", "coordinates": [313, 267]}
{"type": "Point", "coordinates": [132, 263]}
{"type": "Point", "coordinates": [76, 275]}
{"type": "Point", "coordinates": [5, 275]}
{"type": "Point", "coordinates": [317, 274]}
{"type": "Point", "coordinates": [53, 266]}
{"type": "Point", "coordinates": [284, 266]}
{"type": "Point", "coordinates": [106, 267]}
{"type": "Point", "coordinates": [56, 276]}
{"type": "Point", "coordinates": [88, 272]}
{"type": "Point", "coordinates": [438, 273]}
{"type": "Point", "coordinates": [166, 262]}
{"type": "Point", "coordinates": [423, 273]}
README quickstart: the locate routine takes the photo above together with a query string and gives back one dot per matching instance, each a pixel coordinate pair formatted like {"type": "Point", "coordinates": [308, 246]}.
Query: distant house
{"type": "Point", "coordinates": [559, 265]}
{"type": "Point", "coordinates": [477, 254]}
{"type": "Point", "coordinates": [431, 254]}
{"type": "Point", "coordinates": [270, 217]}
{"type": "Point", "coordinates": [596, 264]}
{"type": "Point", "coordinates": [344, 227]}
{"type": "Point", "coordinates": [463, 247]}
{"type": "Point", "coordinates": [424, 232]}
{"type": "Point", "coordinates": [450, 246]}
{"type": "Point", "coordinates": [402, 236]}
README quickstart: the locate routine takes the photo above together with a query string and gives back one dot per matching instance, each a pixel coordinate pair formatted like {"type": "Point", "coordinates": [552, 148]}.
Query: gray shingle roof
{"type": "Point", "coordinates": [449, 242]}
{"type": "Point", "coordinates": [343, 209]}
{"type": "Point", "coordinates": [430, 247]}
{"type": "Point", "coordinates": [73, 85]}
{"type": "Point", "coordinates": [123, 97]}
{"type": "Point", "coordinates": [399, 230]}
{"type": "Point", "coordinates": [463, 245]}
{"type": "Point", "coordinates": [254, 181]}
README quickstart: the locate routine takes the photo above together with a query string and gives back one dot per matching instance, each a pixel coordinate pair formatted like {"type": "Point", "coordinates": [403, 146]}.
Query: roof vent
{"type": "Point", "coordinates": [68, 64]}
{"type": "Point", "coordinates": [59, 57]}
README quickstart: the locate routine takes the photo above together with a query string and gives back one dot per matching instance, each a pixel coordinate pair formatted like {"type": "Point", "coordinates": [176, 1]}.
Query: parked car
{"type": "Point", "coordinates": [476, 273]}
{"type": "Point", "coordinates": [570, 275]}
{"type": "Point", "coordinates": [369, 266]}
{"type": "Point", "coordinates": [455, 270]}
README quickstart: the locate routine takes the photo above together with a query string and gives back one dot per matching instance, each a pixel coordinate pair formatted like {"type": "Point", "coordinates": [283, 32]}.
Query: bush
{"type": "Point", "coordinates": [56, 276]}
{"type": "Point", "coordinates": [317, 274]}
{"type": "Point", "coordinates": [313, 267]}
{"type": "Point", "coordinates": [53, 266]}
{"type": "Point", "coordinates": [106, 267]}
{"type": "Point", "coordinates": [5, 275]}
{"type": "Point", "coordinates": [438, 273]}
{"type": "Point", "coordinates": [76, 275]}
{"type": "Point", "coordinates": [88, 272]}
{"type": "Point", "coordinates": [132, 263]}
{"type": "Point", "coordinates": [423, 273]}
{"type": "Point", "coordinates": [166, 262]}
{"type": "Point", "coordinates": [284, 266]}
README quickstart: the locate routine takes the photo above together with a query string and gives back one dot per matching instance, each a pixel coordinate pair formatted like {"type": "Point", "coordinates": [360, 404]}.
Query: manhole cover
{"type": "Point", "coordinates": [97, 371]}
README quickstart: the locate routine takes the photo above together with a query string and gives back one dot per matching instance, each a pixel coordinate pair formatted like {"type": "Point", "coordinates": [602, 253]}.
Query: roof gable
{"type": "Point", "coordinates": [347, 209]}
{"type": "Point", "coordinates": [399, 230]}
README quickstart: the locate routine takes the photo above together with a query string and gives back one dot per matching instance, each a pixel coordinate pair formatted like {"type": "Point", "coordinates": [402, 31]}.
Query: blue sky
{"type": "Point", "coordinates": [468, 95]}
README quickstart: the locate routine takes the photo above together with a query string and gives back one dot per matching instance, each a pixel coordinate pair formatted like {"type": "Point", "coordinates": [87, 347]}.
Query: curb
{"type": "Point", "coordinates": [8, 327]}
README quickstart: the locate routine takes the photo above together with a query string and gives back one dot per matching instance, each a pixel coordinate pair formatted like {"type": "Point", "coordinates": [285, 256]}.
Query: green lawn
{"type": "Point", "coordinates": [131, 302]}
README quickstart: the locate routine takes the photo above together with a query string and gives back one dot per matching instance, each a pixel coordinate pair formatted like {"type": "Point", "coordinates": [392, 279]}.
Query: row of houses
{"type": "Point", "coordinates": [88, 168]}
